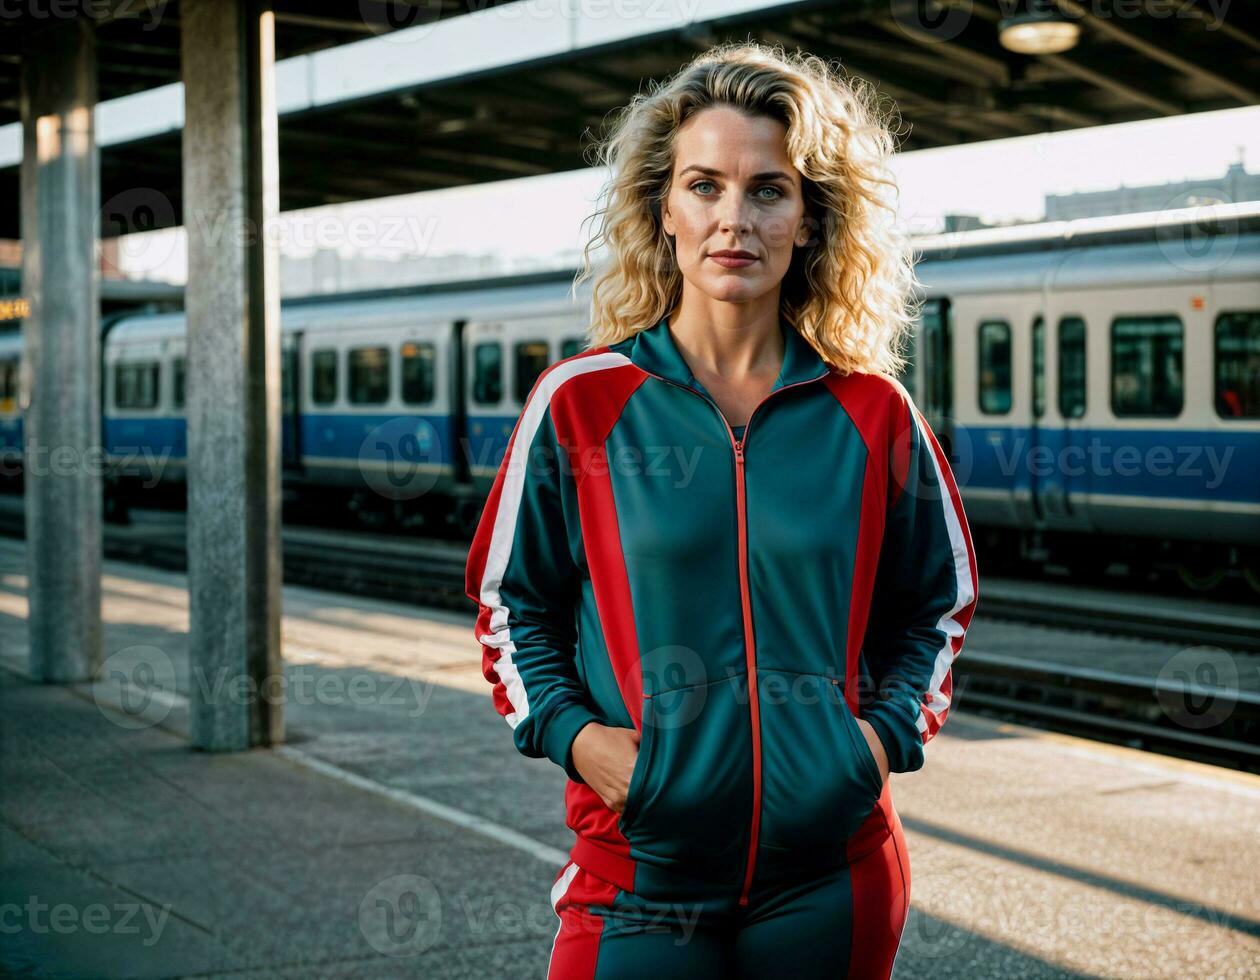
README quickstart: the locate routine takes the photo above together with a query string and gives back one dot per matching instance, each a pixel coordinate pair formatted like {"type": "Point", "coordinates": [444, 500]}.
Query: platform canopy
{"type": "Point", "coordinates": [441, 93]}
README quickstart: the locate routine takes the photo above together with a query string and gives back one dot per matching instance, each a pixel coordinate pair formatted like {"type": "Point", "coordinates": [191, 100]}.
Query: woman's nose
{"type": "Point", "coordinates": [734, 213]}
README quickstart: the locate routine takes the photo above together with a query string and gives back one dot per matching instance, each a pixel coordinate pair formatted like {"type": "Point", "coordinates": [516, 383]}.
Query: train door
{"type": "Point", "coordinates": [290, 401]}
{"type": "Point", "coordinates": [457, 403]}
{"type": "Point", "coordinates": [489, 410]}
{"type": "Point", "coordinates": [1042, 483]}
{"type": "Point", "coordinates": [1070, 377]}
{"type": "Point", "coordinates": [998, 442]}
{"type": "Point", "coordinates": [935, 353]}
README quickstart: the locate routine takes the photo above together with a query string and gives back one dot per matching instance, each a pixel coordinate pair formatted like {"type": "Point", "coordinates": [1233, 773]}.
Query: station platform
{"type": "Point", "coordinates": [398, 833]}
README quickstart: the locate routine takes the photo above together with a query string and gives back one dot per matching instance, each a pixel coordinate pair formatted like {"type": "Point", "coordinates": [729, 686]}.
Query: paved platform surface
{"type": "Point", "coordinates": [398, 834]}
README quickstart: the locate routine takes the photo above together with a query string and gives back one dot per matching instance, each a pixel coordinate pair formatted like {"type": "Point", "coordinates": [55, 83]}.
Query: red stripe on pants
{"type": "Point", "coordinates": [881, 903]}
{"type": "Point", "coordinates": [576, 950]}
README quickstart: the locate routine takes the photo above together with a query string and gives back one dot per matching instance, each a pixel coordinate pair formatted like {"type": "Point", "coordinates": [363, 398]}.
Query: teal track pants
{"type": "Point", "coordinates": [846, 923]}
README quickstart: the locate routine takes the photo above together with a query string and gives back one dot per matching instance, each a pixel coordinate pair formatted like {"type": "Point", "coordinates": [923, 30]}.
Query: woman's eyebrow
{"type": "Point", "coordinates": [711, 172]}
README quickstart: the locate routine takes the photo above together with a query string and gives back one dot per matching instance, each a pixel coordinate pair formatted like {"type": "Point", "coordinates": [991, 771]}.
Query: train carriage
{"type": "Point", "coordinates": [1103, 384]}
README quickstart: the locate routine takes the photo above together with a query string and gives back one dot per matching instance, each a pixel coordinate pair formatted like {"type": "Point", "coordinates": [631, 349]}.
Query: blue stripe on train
{"type": "Point", "coordinates": [423, 438]}
{"type": "Point", "coordinates": [11, 434]}
{"type": "Point", "coordinates": [1199, 464]}
{"type": "Point", "coordinates": [488, 438]}
{"type": "Point", "coordinates": [1189, 464]}
{"type": "Point", "coordinates": [141, 438]}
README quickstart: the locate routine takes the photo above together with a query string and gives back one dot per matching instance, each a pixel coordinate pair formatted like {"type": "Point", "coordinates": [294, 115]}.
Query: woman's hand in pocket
{"type": "Point", "coordinates": [605, 758]}
{"type": "Point", "coordinates": [877, 748]}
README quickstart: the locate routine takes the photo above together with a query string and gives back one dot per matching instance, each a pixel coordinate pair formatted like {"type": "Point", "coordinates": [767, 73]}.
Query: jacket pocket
{"type": "Point", "coordinates": [641, 763]}
{"type": "Point", "coordinates": [863, 747]}
{"type": "Point", "coordinates": [820, 780]}
{"type": "Point", "coordinates": [690, 794]}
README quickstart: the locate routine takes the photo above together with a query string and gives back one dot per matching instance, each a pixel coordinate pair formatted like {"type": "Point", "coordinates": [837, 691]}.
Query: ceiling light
{"type": "Point", "coordinates": [1039, 27]}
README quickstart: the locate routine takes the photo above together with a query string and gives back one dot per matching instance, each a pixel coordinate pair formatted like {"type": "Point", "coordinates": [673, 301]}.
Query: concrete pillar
{"type": "Point", "coordinates": [231, 194]}
{"type": "Point", "coordinates": [60, 190]}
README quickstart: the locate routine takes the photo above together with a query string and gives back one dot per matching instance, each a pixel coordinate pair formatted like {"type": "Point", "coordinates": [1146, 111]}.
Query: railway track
{"type": "Point", "coordinates": [1092, 609]}
{"type": "Point", "coordinates": [1157, 714]}
{"type": "Point", "coordinates": [1212, 724]}
{"type": "Point", "coordinates": [408, 570]}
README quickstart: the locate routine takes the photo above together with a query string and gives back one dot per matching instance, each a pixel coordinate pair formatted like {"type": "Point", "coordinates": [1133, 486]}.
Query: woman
{"type": "Point", "coordinates": [724, 567]}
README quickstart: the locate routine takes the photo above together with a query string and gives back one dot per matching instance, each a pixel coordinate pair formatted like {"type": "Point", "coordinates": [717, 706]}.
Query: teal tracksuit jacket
{"type": "Point", "coordinates": [737, 600]}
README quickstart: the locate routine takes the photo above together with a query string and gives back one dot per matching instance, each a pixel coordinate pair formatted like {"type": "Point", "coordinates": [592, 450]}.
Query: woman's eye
{"type": "Point", "coordinates": [775, 193]}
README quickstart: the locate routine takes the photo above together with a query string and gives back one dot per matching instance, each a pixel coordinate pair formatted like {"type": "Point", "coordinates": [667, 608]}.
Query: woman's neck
{"type": "Point", "coordinates": [735, 341]}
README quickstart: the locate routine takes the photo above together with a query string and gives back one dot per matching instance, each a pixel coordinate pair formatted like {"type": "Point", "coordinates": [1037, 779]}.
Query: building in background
{"type": "Point", "coordinates": [326, 270]}
{"type": "Point", "coordinates": [1235, 186]}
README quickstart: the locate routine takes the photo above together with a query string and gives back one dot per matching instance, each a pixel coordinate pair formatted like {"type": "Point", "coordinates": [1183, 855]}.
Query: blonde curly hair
{"type": "Point", "coordinates": [850, 291]}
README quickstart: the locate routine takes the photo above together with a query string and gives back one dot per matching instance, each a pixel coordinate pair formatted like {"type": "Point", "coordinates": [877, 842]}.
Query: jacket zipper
{"type": "Point", "coordinates": [750, 657]}
{"type": "Point", "coordinates": [750, 646]}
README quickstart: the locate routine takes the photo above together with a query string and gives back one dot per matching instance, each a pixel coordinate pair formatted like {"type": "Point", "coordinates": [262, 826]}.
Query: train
{"type": "Point", "coordinates": [1095, 382]}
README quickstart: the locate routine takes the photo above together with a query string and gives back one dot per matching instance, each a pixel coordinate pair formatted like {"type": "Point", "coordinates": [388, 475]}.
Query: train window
{"type": "Point", "coordinates": [935, 352]}
{"type": "Point", "coordinates": [487, 373]}
{"type": "Point", "coordinates": [417, 373]}
{"type": "Point", "coordinates": [179, 375]}
{"type": "Point", "coordinates": [369, 375]}
{"type": "Point", "coordinates": [8, 380]}
{"type": "Point", "coordinates": [1039, 367]}
{"type": "Point", "coordinates": [1146, 365]}
{"type": "Point", "coordinates": [570, 346]}
{"type": "Point", "coordinates": [531, 360]}
{"type": "Point", "coordinates": [324, 376]}
{"type": "Point", "coordinates": [136, 384]}
{"type": "Point", "coordinates": [994, 348]}
{"type": "Point", "coordinates": [1072, 367]}
{"type": "Point", "coordinates": [286, 377]}
{"type": "Point", "coordinates": [1238, 365]}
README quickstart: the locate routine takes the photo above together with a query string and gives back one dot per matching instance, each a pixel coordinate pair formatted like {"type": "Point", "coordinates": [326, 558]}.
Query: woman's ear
{"type": "Point", "coordinates": [804, 231]}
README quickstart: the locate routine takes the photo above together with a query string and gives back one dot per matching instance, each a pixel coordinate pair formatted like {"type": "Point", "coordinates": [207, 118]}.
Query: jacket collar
{"type": "Point", "coordinates": [654, 350]}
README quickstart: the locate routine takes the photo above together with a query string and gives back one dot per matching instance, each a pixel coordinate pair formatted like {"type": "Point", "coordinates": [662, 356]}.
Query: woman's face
{"type": "Point", "coordinates": [734, 189]}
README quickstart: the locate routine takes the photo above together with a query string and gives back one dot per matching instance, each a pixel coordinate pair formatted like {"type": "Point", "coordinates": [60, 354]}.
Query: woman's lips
{"type": "Point", "coordinates": [732, 261]}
